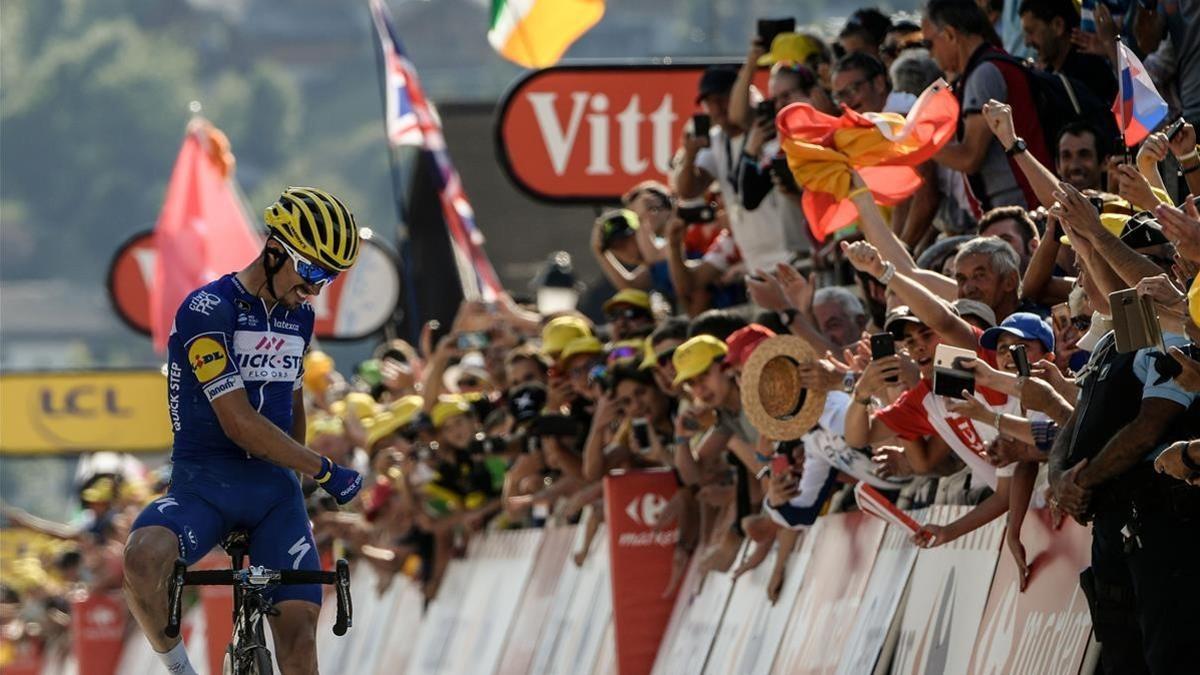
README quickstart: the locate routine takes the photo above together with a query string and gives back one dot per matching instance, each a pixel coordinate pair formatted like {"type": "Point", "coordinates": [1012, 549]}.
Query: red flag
{"type": "Point", "coordinates": [202, 231]}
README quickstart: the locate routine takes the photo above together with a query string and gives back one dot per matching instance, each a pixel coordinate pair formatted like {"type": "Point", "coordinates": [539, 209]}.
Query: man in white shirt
{"type": "Point", "coordinates": [766, 235]}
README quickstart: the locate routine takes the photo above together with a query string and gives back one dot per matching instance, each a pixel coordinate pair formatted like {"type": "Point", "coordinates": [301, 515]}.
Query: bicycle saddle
{"type": "Point", "coordinates": [236, 543]}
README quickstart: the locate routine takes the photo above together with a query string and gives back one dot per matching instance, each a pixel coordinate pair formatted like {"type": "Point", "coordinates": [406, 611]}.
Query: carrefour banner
{"type": "Point", "coordinates": [641, 560]}
{"type": "Point", "coordinates": [122, 411]}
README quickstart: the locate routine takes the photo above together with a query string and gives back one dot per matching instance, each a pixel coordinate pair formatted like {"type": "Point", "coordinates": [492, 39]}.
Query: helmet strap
{"type": "Point", "coordinates": [273, 261]}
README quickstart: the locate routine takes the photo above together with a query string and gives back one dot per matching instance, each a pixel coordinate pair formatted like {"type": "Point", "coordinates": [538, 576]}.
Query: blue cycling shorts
{"type": "Point", "coordinates": [207, 501]}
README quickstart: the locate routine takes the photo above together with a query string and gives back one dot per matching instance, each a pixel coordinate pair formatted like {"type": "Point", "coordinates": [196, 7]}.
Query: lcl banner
{"type": "Point", "coordinates": [588, 133]}
{"type": "Point", "coordinates": [119, 410]}
{"type": "Point", "coordinates": [641, 564]}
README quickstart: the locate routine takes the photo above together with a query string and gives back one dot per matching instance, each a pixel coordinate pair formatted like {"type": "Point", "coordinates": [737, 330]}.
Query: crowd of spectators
{"type": "Point", "coordinates": [1026, 230]}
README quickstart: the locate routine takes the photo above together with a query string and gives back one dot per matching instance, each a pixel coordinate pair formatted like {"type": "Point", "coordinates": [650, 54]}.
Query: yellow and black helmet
{"type": "Point", "coordinates": [316, 225]}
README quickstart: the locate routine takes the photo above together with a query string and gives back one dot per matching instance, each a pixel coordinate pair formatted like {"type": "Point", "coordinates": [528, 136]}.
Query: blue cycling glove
{"type": "Point", "coordinates": [338, 481]}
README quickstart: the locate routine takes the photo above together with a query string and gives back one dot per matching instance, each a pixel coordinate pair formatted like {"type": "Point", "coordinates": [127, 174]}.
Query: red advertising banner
{"type": "Point", "coordinates": [1045, 628]}
{"type": "Point", "coordinates": [640, 562]}
{"type": "Point", "coordinates": [588, 133]}
{"type": "Point", "coordinates": [20, 658]}
{"type": "Point", "coordinates": [843, 556]}
{"type": "Point", "coordinates": [98, 632]}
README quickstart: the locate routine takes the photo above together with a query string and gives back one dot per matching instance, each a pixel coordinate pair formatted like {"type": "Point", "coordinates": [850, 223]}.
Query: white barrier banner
{"type": "Point", "coordinates": [399, 646]}
{"type": "Point", "coordinates": [885, 588]}
{"type": "Point", "coordinates": [1045, 628]}
{"type": "Point", "coordinates": [532, 617]}
{"type": "Point", "coordinates": [741, 641]}
{"type": "Point", "coordinates": [699, 607]}
{"type": "Point", "coordinates": [947, 595]}
{"type": "Point", "coordinates": [372, 620]}
{"type": "Point", "coordinates": [441, 617]}
{"type": "Point", "coordinates": [588, 613]}
{"type": "Point", "coordinates": [501, 564]}
{"type": "Point", "coordinates": [829, 598]}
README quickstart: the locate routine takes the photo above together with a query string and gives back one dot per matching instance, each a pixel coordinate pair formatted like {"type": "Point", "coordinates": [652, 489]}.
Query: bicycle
{"type": "Point", "coordinates": [247, 653]}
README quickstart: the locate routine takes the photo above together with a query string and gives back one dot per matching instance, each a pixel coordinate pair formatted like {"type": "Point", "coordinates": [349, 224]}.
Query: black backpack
{"type": "Point", "coordinates": [1061, 100]}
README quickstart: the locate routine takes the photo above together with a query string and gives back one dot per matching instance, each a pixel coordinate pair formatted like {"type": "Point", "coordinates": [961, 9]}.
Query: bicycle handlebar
{"type": "Point", "coordinates": [339, 579]}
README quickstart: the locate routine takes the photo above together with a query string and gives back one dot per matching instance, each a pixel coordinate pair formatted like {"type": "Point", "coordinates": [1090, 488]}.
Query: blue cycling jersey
{"type": "Point", "coordinates": [225, 338]}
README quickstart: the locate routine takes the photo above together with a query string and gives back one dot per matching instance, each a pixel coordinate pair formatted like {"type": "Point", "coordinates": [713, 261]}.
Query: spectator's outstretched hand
{"type": "Point", "coordinates": [1017, 549]}
{"type": "Point", "coordinates": [796, 288]}
{"type": "Point", "coordinates": [864, 257]}
{"type": "Point", "coordinates": [1076, 212]}
{"type": "Point", "coordinates": [1154, 150]}
{"type": "Point", "coordinates": [1133, 187]}
{"type": "Point", "coordinates": [1184, 141]}
{"type": "Point", "coordinates": [1171, 462]}
{"type": "Point", "coordinates": [890, 461]}
{"type": "Point", "coordinates": [999, 119]}
{"type": "Point", "coordinates": [1189, 379]}
{"type": "Point", "coordinates": [766, 292]}
{"type": "Point", "coordinates": [820, 375]}
{"type": "Point", "coordinates": [1182, 227]}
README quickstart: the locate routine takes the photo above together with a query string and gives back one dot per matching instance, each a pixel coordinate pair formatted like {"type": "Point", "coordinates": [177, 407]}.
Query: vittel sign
{"type": "Point", "coordinates": [587, 133]}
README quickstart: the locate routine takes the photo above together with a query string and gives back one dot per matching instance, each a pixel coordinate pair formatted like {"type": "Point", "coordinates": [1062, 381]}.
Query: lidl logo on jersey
{"type": "Point", "coordinates": [268, 357]}
{"type": "Point", "coordinates": [208, 358]}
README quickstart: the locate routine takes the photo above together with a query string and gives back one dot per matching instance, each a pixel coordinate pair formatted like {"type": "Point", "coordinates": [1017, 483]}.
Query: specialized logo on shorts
{"type": "Point", "coordinates": [268, 357]}
{"type": "Point", "coordinates": [208, 358]}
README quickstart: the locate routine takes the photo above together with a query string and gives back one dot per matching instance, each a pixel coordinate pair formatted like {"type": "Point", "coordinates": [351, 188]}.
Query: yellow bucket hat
{"type": "Point", "coordinates": [447, 408]}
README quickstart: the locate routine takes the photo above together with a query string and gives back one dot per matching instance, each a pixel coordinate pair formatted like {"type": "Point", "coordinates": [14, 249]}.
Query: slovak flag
{"type": "Point", "coordinates": [1139, 107]}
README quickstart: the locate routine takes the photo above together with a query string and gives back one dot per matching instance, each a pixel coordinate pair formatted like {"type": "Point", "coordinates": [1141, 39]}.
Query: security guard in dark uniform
{"type": "Point", "coordinates": [1143, 587]}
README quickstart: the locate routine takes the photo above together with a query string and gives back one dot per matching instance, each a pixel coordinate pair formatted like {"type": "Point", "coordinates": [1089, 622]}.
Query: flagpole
{"type": "Point", "coordinates": [1121, 96]}
{"type": "Point", "coordinates": [412, 315]}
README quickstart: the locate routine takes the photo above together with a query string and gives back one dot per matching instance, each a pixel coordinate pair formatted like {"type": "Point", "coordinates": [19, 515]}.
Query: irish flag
{"type": "Point", "coordinates": [535, 33]}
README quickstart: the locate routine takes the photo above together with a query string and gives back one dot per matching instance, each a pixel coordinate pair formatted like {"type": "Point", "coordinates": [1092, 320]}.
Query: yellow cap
{"type": "Point", "coordinates": [560, 331]}
{"type": "Point", "coordinates": [694, 357]}
{"type": "Point", "coordinates": [398, 414]}
{"type": "Point", "coordinates": [580, 346]}
{"type": "Point", "coordinates": [103, 490]}
{"type": "Point", "coordinates": [629, 296]}
{"type": "Point", "coordinates": [317, 366]}
{"type": "Point", "coordinates": [359, 404]}
{"type": "Point", "coordinates": [447, 408]}
{"type": "Point", "coordinates": [324, 426]}
{"type": "Point", "coordinates": [790, 47]}
{"type": "Point", "coordinates": [650, 359]}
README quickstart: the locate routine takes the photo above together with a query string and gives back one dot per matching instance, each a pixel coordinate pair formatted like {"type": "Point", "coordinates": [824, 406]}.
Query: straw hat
{"type": "Point", "coordinates": [772, 397]}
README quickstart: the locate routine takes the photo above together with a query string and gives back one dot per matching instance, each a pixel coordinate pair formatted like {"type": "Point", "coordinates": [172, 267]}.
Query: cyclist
{"type": "Point", "coordinates": [234, 370]}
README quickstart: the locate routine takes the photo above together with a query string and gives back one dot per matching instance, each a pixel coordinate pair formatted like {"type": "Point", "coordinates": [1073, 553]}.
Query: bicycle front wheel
{"type": "Point", "coordinates": [262, 661]}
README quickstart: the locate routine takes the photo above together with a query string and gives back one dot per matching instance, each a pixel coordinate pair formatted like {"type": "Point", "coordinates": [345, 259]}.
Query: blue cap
{"type": "Point", "coordinates": [1025, 325]}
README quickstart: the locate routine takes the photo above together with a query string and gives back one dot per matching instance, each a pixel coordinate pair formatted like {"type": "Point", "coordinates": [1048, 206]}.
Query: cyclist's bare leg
{"type": "Point", "coordinates": [150, 556]}
{"type": "Point", "coordinates": [295, 632]}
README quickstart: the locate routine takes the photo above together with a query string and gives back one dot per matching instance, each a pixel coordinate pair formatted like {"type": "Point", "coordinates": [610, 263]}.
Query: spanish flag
{"type": "Point", "coordinates": [536, 33]}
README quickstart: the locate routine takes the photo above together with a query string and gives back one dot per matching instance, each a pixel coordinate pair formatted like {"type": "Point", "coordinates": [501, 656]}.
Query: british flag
{"type": "Point", "coordinates": [411, 120]}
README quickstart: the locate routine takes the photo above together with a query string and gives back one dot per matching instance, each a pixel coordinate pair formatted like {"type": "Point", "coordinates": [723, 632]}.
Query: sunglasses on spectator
{"type": "Point", "coordinates": [469, 382]}
{"type": "Point", "coordinates": [628, 313]}
{"type": "Point", "coordinates": [312, 273]}
{"type": "Point", "coordinates": [664, 357]}
{"type": "Point", "coordinates": [622, 353]}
